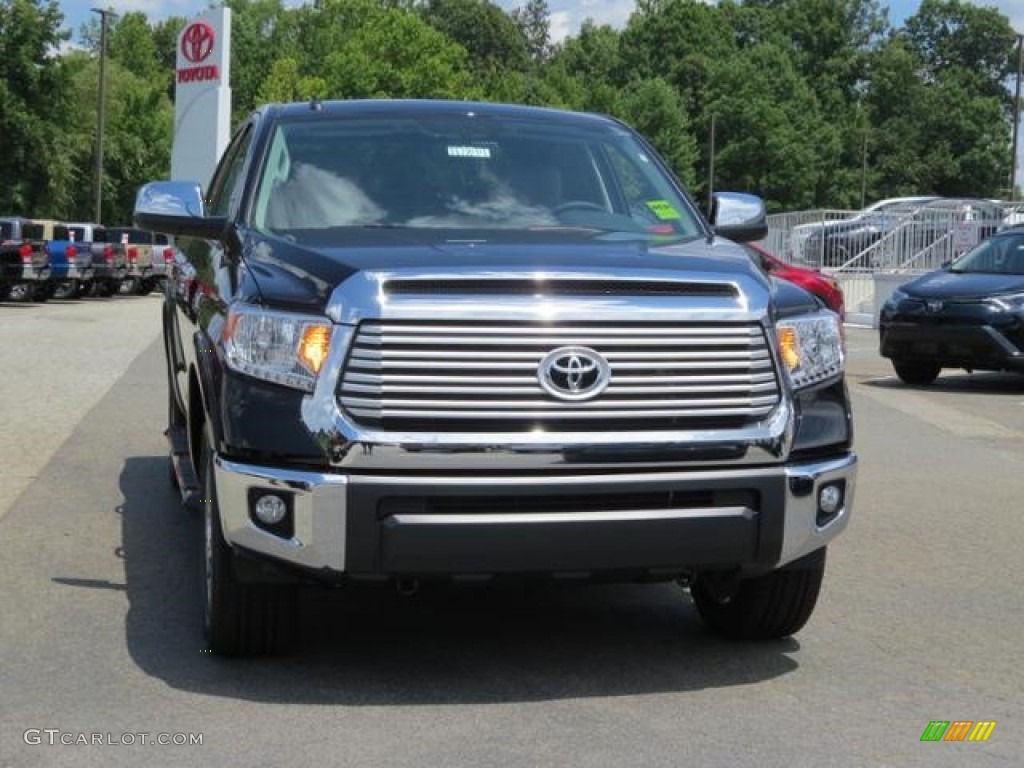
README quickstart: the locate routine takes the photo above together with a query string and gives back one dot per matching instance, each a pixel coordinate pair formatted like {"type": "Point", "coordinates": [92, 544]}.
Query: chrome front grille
{"type": "Point", "coordinates": [481, 377]}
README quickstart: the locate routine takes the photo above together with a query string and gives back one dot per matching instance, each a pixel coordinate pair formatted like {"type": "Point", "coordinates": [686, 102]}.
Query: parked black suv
{"type": "Point", "coordinates": [414, 340]}
{"type": "Point", "coordinates": [970, 315]}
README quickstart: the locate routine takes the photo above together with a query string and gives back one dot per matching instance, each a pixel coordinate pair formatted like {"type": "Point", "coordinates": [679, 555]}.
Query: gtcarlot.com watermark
{"type": "Point", "coordinates": [55, 736]}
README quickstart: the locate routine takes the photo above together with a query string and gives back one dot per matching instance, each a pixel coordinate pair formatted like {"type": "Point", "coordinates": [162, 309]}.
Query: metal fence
{"type": "Point", "coordinates": [872, 252]}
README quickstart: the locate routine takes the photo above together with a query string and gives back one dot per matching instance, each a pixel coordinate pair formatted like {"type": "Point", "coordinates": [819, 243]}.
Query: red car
{"type": "Point", "coordinates": [812, 280]}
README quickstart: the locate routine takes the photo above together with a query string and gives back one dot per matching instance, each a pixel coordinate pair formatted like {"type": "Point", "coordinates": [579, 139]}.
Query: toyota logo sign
{"type": "Point", "coordinates": [197, 42]}
{"type": "Point", "coordinates": [574, 373]}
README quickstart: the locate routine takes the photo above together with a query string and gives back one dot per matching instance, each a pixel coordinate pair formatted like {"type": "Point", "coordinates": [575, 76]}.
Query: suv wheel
{"type": "Point", "coordinates": [239, 619]}
{"type": "Point", "coordinates": [921, 374]}
{"type": "Point", "coordinates": [771, 606]}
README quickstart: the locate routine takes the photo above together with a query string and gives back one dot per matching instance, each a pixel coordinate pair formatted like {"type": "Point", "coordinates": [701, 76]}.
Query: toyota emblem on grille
{"type": "Point", "coordinates": [574, 373]}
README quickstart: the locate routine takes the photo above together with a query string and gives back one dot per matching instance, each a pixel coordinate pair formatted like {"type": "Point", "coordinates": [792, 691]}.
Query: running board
{"type": "Point", "coordinates": [181, 465]}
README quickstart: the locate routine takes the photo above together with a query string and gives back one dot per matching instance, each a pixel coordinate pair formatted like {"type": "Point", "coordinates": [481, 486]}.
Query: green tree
{"type": "Point", "coordinates": [137, 141]}
{"type": "Point", "coordinates": [394, 53]}
{"type": "Point", "coordinates": [256, 35]}
{"type": "Point", "coordinates": [679, 41]}
{"type": "Point", "coordinates": [492, 39]}
{"type": "Point", "coordinates": [286, 83]}
{"type": "Point", "coordinates": [534, 19]}
{"type": "Point", "coordinates": [655, 109]}
{"type": "Point", "coordinates": [766, 123]}
{"type": "Point", "coordinates": [939, 107]}
{"type": "Point", "coordinates": [131, 44]}
{"type": "Point", "coordinates": [38, 176]}
{"type": "Point", "coordinates": [968, 41]}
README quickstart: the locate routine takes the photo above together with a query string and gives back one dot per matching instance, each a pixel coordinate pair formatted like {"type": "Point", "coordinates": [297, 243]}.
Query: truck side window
{"type": "Point", "coordinates": [226, 187]}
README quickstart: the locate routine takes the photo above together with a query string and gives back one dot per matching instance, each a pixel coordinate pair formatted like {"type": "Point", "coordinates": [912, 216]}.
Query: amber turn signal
{"type": "Point", "coordinates": [314, 346]}
{"type": "Point", "coordinates": [789, 348]}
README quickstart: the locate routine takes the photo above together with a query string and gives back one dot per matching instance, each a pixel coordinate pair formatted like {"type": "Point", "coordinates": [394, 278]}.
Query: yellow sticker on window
{"type": "Point", "coordinates": [663, 209]}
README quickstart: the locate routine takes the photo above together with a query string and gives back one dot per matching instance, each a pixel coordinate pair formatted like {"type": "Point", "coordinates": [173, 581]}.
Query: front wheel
{"type": "Point", "coordinates": [239, 619]}
{"type": "Point", "coordinates": [918, 373]}
{"type": "Point", "coordinates": [774, 605]}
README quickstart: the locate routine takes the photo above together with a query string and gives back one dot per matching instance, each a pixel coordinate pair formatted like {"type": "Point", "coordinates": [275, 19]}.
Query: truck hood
{"type": "Point", "coordinates": [350, 273]}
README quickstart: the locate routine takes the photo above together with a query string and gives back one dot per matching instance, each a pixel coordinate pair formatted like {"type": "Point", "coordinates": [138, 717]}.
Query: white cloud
{"type": "Point", "coordinates": [568, 15]}
{"type": "Point", "coordinates": [612, 12]}
{"type": "Point", "coordinates": [559, 26]}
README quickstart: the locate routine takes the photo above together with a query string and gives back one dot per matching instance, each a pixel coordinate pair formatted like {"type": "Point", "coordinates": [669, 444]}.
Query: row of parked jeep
{"type": "Point", "coordinates": [42, 259]}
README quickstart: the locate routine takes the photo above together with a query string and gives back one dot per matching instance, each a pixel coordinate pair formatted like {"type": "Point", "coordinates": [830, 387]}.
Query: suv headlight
{"type": "Point", "coordinates": [281, 347]}
{"type": "Point", "coordinates": [1010, 303]}
{"type": "Point", "coordinates": [811, 347]}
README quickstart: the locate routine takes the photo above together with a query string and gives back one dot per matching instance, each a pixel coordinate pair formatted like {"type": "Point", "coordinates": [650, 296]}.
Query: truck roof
{"type": "Point", "coordinates": [435, 107]}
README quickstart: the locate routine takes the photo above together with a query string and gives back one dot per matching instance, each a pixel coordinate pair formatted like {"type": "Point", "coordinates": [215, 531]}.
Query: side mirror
{"type": "Point", "coordinates": [738, 216]}
{"type": "Point", "coordinates": [176, 208]}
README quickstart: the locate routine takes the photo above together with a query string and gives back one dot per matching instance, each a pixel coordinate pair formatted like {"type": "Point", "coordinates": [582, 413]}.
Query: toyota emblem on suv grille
{"type": "Point", "coordinates": [574, 373]}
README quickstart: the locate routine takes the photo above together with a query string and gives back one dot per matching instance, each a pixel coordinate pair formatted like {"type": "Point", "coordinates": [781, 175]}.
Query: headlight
{"type": "Point", "coordinates": [1009, 303]}
{"type": "Point", "coordinates": [811, 347]}
{"type": "Point", "coordinates": [895, 298]}
{"type": "Point", "coordinates": [281, 347]}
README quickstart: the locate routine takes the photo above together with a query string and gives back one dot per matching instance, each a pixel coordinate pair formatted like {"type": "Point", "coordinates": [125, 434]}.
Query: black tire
{"type": "Point", "coordinates": [66, 289]}
{"type": "Point", "coordinates": [20, 292]}
{"type": "Point", "coordinates": [919, 374]}
{"type": "Point", "coordinates": [767, 607]}
{"type": "Point", "coordinates": [42, 292]}
{"type": "Point", "coordinates": [239, 619]}
{"type": "Point", "coordinates": [175, 418]}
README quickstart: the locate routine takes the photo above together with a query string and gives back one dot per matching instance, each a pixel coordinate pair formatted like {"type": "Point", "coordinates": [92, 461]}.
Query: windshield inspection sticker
{"type": "Point", "coordinates": [663, 209]}
{"type": "Point", "coordinates": [483, 152]}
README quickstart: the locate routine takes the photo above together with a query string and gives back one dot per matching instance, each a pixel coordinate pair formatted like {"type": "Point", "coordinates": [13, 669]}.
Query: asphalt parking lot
{"type": "Point", "coordinates": [920, 619]}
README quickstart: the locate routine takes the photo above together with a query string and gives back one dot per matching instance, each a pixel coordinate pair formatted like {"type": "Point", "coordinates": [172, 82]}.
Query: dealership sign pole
{"type": "Point", "coordinates": [202, 96]}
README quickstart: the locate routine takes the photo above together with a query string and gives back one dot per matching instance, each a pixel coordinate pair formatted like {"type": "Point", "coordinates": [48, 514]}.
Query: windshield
{"type": "Point", "coordinates": [1003, 255]}
{"type": "Point", "coordinates": [6, 230]}
{"type": "Point", "coordinates": [465, 173]}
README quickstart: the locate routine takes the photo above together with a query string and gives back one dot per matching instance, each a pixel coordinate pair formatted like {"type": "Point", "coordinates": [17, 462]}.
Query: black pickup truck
{"type": "Point", "coordinates": [24, 263]}
{"type": "Point", "coordinates": [416, 340]}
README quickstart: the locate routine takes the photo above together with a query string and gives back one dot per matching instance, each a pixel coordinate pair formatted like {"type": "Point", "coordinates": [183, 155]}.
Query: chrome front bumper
{"type": "Point", "coordinates": [338, 528]}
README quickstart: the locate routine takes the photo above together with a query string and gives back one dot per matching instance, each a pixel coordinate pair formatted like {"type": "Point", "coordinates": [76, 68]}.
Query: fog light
{"type": "Point", "coordinates": [270, 509]}
{"type": "Point", "coordinates": [830, 499]}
